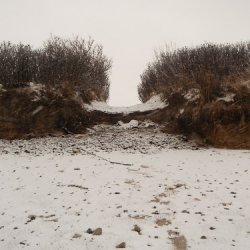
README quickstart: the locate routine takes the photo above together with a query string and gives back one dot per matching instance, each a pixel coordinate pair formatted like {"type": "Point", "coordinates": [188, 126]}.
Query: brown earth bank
{"type": "Point", "coordinates": [23, 116]}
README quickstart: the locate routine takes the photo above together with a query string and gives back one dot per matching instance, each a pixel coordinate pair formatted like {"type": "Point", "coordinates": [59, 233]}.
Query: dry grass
{"type": "Point", "coordinates": [24, 112]}
{"type": "Point", "coordinates": [215, 73]}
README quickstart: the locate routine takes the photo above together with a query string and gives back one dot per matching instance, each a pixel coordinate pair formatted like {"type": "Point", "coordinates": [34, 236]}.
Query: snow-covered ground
{"type": "Point", "coordinates": [154, 103]}
{"type": "Point", "coordinates": [143, 188]}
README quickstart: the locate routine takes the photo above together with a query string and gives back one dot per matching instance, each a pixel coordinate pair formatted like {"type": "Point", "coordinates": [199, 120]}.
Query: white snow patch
{"type": "Point", "coordinates": [228, 98]}
{"type": "Point", "coordinates": [192, 94]}
{"type": "Point", "coordinates": [154, 103]}
{"type": "Point", "coordinates": [181, 111]}
{"type": "Point", "coordinates": [246, 84]}
{"type": "Point", "coordinates": [35, 86]}
{"type": "Point", "coordinates": [37, 110]}
{"type": "Point", "coordinates": [129, 125]}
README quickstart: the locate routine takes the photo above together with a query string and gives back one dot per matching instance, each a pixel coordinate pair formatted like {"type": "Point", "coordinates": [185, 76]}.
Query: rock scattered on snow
{"type": "Point", "coordinates": [138, 137]}
{"type": "Point", "coordinates": [75, 236]}
{"type": "Point", "coordinates": [98, 231]}
{"type": "Point", "coordinates": [89, 231]}
{"type": "Point", "coordinates": [121, 245]}
{"type": "Point", "coordinates": [137, 229]}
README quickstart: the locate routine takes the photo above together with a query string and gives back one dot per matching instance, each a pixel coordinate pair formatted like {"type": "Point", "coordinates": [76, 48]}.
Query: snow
{"type": "Point", "coordinates": [37, 110]}
{"type": "Point", "coordinates": [154, 103]}
{"type": "Point", "coordinates": [192, 94]}
{"type": "Point", "coordinates": [246, 84]}
{"type": "Point", "coordinates": [54, 189]}
{"type": "Point", "coordinates": [228, 98]}
{"type": "Point", "coordinates": [129, 125]}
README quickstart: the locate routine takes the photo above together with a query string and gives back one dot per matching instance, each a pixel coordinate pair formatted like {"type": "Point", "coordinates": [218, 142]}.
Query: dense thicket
{"type": "Point", "coordinates": [206, 67]}
{"type": "Point", "coordinates": [77, 63]}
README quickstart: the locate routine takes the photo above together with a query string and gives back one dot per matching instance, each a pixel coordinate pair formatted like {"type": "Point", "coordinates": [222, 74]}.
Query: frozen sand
{"type": "Point", "coordinates": [176, 197]}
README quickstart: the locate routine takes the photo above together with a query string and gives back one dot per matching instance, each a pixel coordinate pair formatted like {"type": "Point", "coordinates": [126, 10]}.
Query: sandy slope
{"type": "Point", "coordinates": [179, 198]}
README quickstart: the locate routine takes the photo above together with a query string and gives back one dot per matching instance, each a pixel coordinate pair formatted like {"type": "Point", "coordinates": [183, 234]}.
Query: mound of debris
{"type": "Point", "coordinates": [133, 137]}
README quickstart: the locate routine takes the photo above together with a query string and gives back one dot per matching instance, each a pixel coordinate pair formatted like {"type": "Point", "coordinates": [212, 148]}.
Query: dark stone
{"type": "Point", "coordinates": [89, 231]}
{"type": "Point", "coordinates": [121, 245]}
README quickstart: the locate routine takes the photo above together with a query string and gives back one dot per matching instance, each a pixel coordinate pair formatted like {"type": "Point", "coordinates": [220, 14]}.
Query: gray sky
{"type": "Point", "coordinates": [129, 30]}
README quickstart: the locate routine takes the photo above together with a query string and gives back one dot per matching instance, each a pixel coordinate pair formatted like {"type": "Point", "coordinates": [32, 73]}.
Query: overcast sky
{"type": "Point", "coordinates": [129, 30]}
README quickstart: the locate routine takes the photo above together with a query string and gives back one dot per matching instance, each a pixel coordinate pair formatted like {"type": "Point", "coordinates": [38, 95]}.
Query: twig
{"type": "Point", "coordinates": [111, 162]}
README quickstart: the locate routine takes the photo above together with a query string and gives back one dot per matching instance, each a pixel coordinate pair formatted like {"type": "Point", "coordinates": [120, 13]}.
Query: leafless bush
{"type": "Point", "coordinates": [76, 61]}
{"type": "Point", "coordinates": [207, 67]}
{"type": "Point", "coordinates": [68, 73]}
{"type": "Point", "coordinates": [16, 64]}
{"type": "Point", "coordinates": [214, 72]}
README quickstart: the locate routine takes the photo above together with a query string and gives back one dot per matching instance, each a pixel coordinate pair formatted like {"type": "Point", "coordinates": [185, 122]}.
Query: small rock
{"type": "Point", "coordinates": [137, 229]}
{"type": "Point", "coordinates": [89, 231]}
{"type": "Point", "coordinates": [203, 237]}
{"type": "Point", "coordinates": [76, 236]}
{"type": "Point", "coordinates": [121, 245]}
{"type": "Point", "coordinates": [32, 217]}
{"type": "Point", "coordinates": [76, 151]}
{"type": "Point", "coordinates": [98, 231]}
{"type": "Point", "coordinates": [156, 212]}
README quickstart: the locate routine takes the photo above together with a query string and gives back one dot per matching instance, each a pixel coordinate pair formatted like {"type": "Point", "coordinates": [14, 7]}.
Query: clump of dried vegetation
{"type": "Point", "coordinates": [207, 89]}
{"type": "Point", "coordinates": [43, 90]}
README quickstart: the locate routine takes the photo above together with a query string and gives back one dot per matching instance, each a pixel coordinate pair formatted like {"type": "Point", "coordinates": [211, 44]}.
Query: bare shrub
{"type": "Point", "coordinates": [76, 61]}
{"type": "Point", "coordinates": [215, 72]}
{"type": "Point", "coordinates": [16, 64]}
{"type": "Point", "coordinates": [207, 67]}
{"type": "Point", "coordinates": [66, 73]}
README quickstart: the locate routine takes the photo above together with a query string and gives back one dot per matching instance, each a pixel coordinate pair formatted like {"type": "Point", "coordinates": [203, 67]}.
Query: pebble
{"type": "Point", "coordinates": [89, 231]}
{"type": "Point", "coordinates": [137, 229]}
{"type": "Point", "coordinates": [121, 245]}
{"type": "Point", "coordinates": [106, 138]}
{"type": "Point", "coordinates": [98, 231]}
